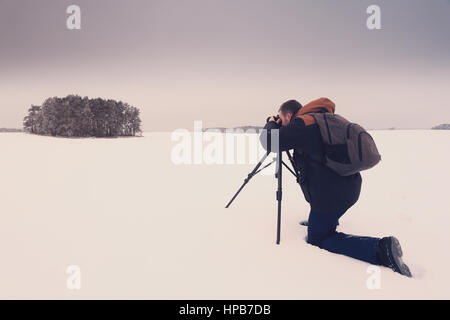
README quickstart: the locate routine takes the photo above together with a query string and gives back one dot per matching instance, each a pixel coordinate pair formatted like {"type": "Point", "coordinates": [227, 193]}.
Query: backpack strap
{"type": "Point", "coordinates": [308, 119]}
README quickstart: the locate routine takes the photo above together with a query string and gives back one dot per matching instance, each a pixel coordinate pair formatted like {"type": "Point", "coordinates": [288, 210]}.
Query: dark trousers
{"type": "Point", "coordinates": [322, 233]}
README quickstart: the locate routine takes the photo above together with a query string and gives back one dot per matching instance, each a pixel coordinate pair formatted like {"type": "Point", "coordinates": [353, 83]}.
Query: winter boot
{"type": "Point", "coordinates": [389, 254]}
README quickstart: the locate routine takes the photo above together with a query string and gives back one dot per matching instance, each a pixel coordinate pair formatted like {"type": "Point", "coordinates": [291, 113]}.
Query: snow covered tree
{"type": "Point", "coordinates": [74, 116]}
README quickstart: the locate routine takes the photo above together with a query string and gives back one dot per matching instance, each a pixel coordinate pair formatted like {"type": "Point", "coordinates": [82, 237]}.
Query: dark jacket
{"type": "Point", "coordinates": [325, 190]}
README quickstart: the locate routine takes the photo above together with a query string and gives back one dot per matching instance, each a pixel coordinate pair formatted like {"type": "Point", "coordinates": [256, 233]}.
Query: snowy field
{"type": "Point", "coordinates": [140, 226]}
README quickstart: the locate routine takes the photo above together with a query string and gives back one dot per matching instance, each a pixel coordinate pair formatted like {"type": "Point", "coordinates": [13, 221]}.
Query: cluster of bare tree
{"type": "Point", "coordinates": [74, 116]}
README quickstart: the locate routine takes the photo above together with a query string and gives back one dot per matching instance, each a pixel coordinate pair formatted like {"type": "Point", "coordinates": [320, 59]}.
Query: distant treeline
{"type": "Point", "coordinates": [10, 130]}
{"type": "Point", "coordinates": [444, 126]}
{"type": "Point", "coordinates": [74, 116]}
{"type": "Point", "coordinates": [237, 129]}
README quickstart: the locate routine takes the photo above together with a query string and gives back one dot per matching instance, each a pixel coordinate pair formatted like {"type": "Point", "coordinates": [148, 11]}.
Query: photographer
{"type": "Point", "coordinates": [330, 195]}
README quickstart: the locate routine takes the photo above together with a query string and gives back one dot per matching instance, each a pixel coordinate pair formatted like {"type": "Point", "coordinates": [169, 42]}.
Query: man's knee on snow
{"type": "Point", "coordinates": [317, 239]}
{"type": "Point", "coordinates": [314, 240]}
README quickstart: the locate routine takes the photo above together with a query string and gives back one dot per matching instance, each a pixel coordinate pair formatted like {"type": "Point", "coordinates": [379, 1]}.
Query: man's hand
{"type": "Point", "coordinates": [272, 118]}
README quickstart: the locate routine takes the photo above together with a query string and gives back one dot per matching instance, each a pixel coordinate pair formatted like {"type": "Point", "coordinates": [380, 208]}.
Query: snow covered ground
{"type": "Point", "coordinates": [140, 226]}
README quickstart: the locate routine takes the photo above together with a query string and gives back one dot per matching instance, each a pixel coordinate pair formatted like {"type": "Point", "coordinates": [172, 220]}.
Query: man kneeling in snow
{"type": "Point", "coordinates": [330, 195]}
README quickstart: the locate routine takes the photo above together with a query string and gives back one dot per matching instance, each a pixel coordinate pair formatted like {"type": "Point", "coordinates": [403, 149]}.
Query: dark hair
{"type": "Point", "coordinates": [290, 106]}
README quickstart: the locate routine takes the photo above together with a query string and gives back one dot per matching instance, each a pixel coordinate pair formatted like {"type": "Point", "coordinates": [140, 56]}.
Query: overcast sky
{"type": "Point", "coordinates": [230, 62]}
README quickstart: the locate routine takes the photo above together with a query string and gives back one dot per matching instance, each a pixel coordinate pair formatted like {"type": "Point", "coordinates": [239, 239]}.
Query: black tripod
{"type": "Point", "coordinates": [278, 174]}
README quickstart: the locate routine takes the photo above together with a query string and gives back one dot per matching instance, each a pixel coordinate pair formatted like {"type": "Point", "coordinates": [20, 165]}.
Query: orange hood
{"type": "Point", "coordinates": [319, 105]}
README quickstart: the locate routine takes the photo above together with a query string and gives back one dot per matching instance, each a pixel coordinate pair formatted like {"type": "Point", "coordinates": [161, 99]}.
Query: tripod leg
{"type": "Point", "coordinates": [246, 180]}
{"type": "Point", "coordinates": [279, 194]}
{"type": "Point", "coordinates": [290, 170]}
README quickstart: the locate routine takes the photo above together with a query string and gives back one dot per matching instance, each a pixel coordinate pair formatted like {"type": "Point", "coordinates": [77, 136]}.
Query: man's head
{"type": "Point", "coordinates": [287, 110]}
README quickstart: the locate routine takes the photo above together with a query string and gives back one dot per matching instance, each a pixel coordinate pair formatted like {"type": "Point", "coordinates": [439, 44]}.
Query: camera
{"type": "Point", "coordinates": [276, 118]}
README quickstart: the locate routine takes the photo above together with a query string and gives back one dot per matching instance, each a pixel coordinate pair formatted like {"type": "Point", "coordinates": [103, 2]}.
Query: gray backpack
{"type": "Point", "coordinates": [349, 148]}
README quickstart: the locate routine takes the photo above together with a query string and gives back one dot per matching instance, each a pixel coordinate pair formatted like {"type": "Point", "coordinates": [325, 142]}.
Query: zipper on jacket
{"type": "Point", "coordinates": [328, 128]}
{"type": "Point", "coordinates": [359, 145]}
{"type": "Point", "coordinates": [348, 130]}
